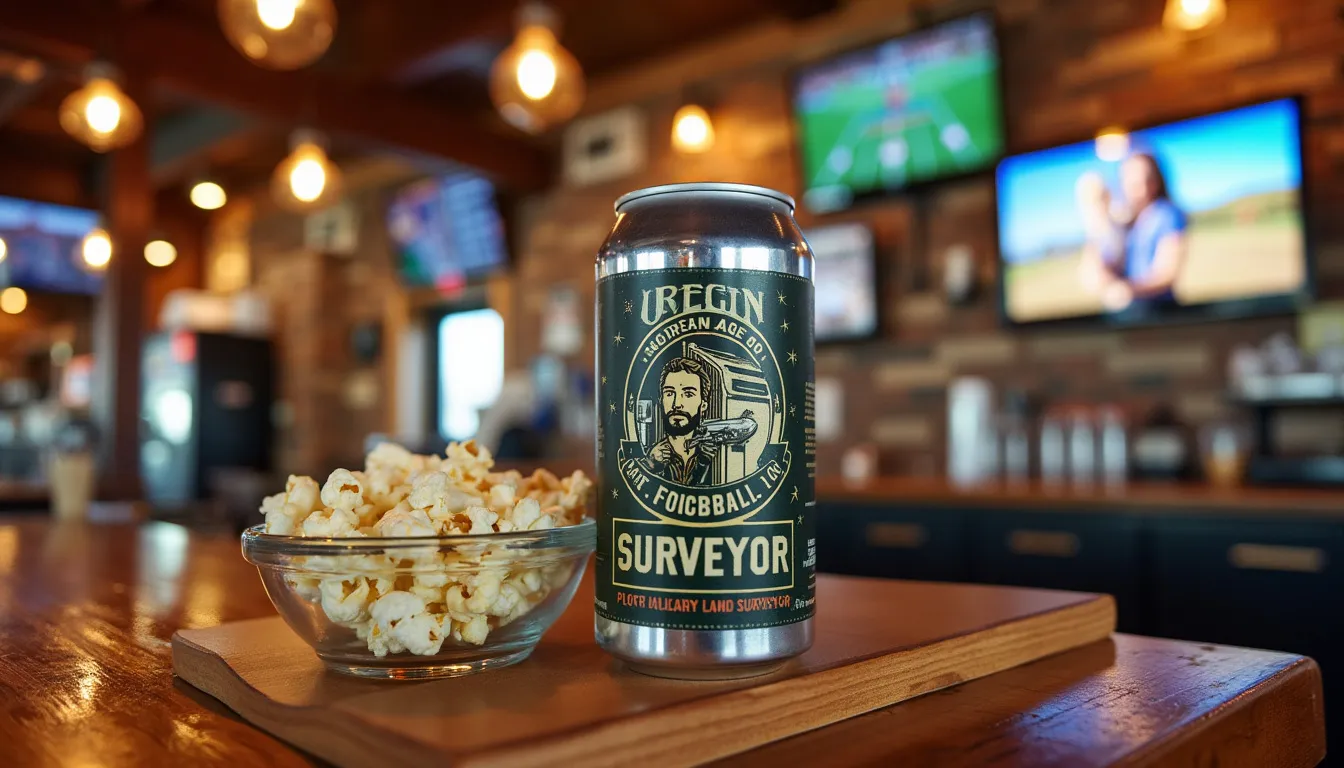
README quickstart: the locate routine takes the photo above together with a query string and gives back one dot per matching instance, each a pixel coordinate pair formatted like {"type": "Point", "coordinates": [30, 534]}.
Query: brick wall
{"type": "Point", "coordinates": [1071, 67]}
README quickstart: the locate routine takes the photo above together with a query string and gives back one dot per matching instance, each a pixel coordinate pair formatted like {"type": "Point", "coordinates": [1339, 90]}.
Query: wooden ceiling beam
{"type": "Point", "coordinates": [411, 41]}
{"type": "Point", "coordinates": [175, 54]}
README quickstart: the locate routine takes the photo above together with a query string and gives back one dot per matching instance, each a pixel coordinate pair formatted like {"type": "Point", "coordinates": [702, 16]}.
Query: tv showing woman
{"type": "Point", "coordinates": [1139, 257]}
{"type": "Point", "coordinates": [1202, 216]}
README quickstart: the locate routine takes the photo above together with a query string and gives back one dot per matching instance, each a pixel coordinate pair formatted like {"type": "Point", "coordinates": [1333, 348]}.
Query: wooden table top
{"type": "Point", "coordinates": [1133, 497]}
{"type": "Point", "coordinates": [86, 613]}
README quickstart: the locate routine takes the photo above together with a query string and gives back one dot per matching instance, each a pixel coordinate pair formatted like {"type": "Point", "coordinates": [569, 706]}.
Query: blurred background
{"type": "Point", "coordinates": [1080, 279]}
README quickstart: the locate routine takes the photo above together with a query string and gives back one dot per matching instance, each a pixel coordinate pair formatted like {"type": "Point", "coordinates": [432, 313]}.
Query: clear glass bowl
{"type": "Point", "coordinates": [328, 590]}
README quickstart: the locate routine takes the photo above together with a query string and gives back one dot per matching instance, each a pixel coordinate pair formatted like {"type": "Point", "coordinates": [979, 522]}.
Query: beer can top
{"type": "Point", "coordinates": [703, 186]}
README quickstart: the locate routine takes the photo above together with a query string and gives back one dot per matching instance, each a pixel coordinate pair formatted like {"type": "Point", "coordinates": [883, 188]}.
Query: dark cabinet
{"type": "Point", "coordinates": [1256, 583]}
{"type": "Point", "coordinates": [1262, 584]}
{"type": "Point", "coordinates": [1057, 550]}
{"type": "Point", "coordinates": [871, 540]}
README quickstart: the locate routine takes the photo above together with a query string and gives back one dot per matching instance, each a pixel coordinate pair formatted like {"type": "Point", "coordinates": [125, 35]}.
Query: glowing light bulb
{"type": "Point", "coordinates": [536, 75]}
{"type": "Point", "coordinates": [307, 180]}
{"type": "Point", "coordinates": [208, 196]}
{"type": "Point", "coordinates": [97, 249]}
{"type": "Point", "coordinates": [279, 34]}
{"type": "Point", "coordinates": [277, 14]}
{"type": "Point", "coordinates": [535, 83]}
{"type": "Point", "coordinates": [1112, 144]}
{"type": "Point", "coordinates": [13, 300]}
{"type": "Point", "coordinates": [160, 253]}
{"type": "Point", "coordinates": [1190, 15]}
{"type": "Point", "coordinates": [4, 249]}
{"type": "Point", "coordinates": [103, 114]}
{"type": "Point", "coordinates": [692, 130]}
{"type": "Point", "coordinates": [99, 114]}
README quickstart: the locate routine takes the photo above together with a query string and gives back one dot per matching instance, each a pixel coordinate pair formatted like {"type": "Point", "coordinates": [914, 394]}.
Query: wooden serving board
{"type": "Point", "coordinates": [878, 642]}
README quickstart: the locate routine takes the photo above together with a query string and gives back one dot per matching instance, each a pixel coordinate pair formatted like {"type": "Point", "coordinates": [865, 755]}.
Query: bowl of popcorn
{"type": "Point", "coordinates": [423, 566]}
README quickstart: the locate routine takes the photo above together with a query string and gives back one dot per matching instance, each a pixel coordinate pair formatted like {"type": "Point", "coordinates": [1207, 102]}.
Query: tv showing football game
{"type": "Point", "coordinates": [1201, 217]}
{"type": "Point", "coordinates": [845, 277]}
{"type": "Point", "coordinates": [447, 230]}
{"type": "Point", "coordinates": [921, 107]}
{"type": "Point", "coordinates": [42, 244]}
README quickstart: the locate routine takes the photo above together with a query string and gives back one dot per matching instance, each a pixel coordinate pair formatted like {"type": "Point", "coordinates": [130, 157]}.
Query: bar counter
{"type": "Point", "coordinates": [1140, 497]}
{"type": "Point", "coordinates": [86, 612]}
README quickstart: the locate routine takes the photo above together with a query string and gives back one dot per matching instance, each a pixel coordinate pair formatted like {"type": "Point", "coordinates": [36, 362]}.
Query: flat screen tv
{"type": "Point", "coordinates": [447, 230]}
{"type": "Point", "coordinates": [846, 282]}
{"type": "Point", "coordinates": [917, 108]}
{"type": "Point", "coordinates": [1197, 218]}
{"type": "Point", "coordinates": [42, 247]}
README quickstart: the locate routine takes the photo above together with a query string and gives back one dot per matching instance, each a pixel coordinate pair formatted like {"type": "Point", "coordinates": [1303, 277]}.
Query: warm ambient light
{"type": "Point", "coordinates": [306, 179]}
{"type": "Point", "coordinates": [536, 74]}
{"type": "Point", "coordinates": [160, 253]}
{"type": "Point", "coordinates": [277, 14]}
{"type": "Point", "coordinates": [279, 34]}
{"type": "Point", "coordinates": [1189, 15]}
{"type": "Point", "coordinates": [97, 249]}
{"type": "Point", "coordinates": [535, 83]}
{"type": "Point", "coordinates": [208, 196]}
{"type": "Point", "coordinates": [692, 130]}
{"type": "Point", "coordinates": [1112, 144]}
{"type": "Point", "coordinates": [4, 249]}
{"type": "Point", "coordinates": [13, 300]}
{"type": "Point", "coordinates": [99, 114]}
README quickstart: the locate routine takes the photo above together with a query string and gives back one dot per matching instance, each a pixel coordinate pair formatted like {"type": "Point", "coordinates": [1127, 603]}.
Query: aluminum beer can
{"type": "Point", "coordinates": [706, 548]}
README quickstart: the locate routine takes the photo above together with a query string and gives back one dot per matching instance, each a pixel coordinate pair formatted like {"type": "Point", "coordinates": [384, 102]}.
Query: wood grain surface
{"type": "Point", "coordinates": [572, 704]}
{"type": "Point", "coordinates": [85, 679]}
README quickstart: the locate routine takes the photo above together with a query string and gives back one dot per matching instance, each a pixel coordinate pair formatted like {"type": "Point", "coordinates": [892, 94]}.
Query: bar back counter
{"type": "Point", "coordinates": [1255, 567]}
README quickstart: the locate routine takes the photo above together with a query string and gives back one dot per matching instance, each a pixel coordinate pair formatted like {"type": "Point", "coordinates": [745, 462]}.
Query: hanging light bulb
{"type": "Point", "coordinates": [279, 34]}
{"type": "Point", "coordinates": [1112, 144]}
{"type": "Point", "coordinates": [207, 195]}
{"type": "Point", "coordinates": [100, 114]}
{"type": "Point", "coordinates": [307, 179]}
{"type": "Point", "coordinates": [1189, 15]}
{"type": "Point", "coordinates": [160, 253]}
{"type": "Point", "coordinates": [13, 300]}
{"type": "Point", "coordinates": [97, 249]}
{"type": "Point", "coordinates": [535, 83]}
{"type": "Point", "coordinates": [692, 130]}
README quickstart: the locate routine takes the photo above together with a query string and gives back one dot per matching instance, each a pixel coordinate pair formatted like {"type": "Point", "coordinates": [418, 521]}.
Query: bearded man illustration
{"type": "Point", "coordinates": [683, 395]}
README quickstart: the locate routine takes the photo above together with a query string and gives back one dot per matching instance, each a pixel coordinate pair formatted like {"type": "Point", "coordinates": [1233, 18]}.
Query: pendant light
{"type": "Point", "coordinates": [100, 115]}
{"type": "Point", "coordinates": [160, 252]}
{"type": "Point", "coordinates": [207, 195]}
{"type": "Point", "coordinates": [96, 249]}
{"type": "Point", "coordinates": [13, 300]}
{"type": "Point", "coordinates": [1190, 15]}
{"type": "Point", "coordinates": [306, 179]}
{"type": "Point", "coordinates": [279, 34]}
{"type": "Point", "coordinates": [692, 130]}
{"type": "Point", "coordinates": [535, 83]}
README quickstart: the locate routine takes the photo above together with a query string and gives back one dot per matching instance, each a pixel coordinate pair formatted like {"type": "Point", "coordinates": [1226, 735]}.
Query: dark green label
{"type": "Point", "coordinates": [706, 449]}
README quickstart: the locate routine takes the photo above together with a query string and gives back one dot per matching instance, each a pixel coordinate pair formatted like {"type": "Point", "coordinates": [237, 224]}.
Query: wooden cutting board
{"type": "Point", "coordinates": [878, 642]}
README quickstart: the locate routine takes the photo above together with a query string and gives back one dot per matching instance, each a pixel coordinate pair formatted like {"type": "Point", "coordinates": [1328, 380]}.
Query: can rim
{"type": "Point", "coordinates": [704, 186]}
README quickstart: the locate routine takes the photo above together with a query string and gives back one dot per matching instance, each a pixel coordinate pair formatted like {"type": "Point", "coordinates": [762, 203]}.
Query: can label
{"type": "Point", "coordinates": [706, 449]}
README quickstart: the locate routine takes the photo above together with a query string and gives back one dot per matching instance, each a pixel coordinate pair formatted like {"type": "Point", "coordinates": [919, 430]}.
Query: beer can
{"type": "Point", "coordinates": [706, 554]}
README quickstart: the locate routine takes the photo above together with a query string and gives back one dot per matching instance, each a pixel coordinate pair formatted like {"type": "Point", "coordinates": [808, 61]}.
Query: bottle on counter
{"type": "Point", "coordinates": [1082, 442]}
{"type": "Point", "coordinates": [972, 455]}
{"type": "Point", "coordinates": [1114, 446]}
{"type": "Point", "coordinates": [1053, 457]}
{"type": "Point", "coordinates": [1014, 440]}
